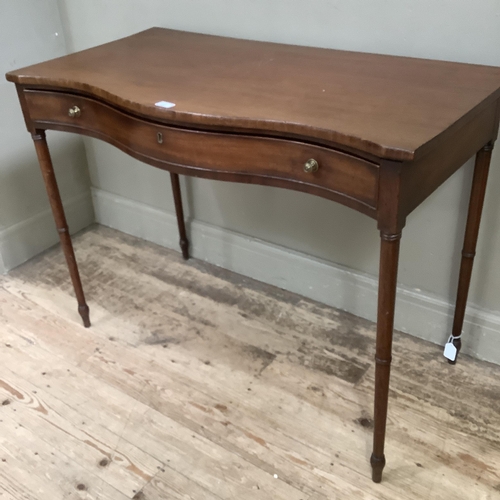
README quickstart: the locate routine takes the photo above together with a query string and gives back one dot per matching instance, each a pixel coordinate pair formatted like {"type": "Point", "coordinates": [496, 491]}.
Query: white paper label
{"type": "Point", "coordinates": [450, 351]}
{"type": "Point", "coordinates": [164, 104]}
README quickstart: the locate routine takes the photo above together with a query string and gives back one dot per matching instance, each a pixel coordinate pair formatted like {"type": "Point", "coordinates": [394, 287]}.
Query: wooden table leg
{"type": "Point", "coordinates": [479, 181]}
{"type": "Point", "coordinates": [49, 178]}
{"type": "Point", "coordinates": [389, 256]}
{"type": "Point", "coordinates": [176, 188]}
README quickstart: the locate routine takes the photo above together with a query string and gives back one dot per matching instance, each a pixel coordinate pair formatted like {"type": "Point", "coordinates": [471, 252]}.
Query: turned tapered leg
{"type": "Point", "coordinates": [45, 161]}
{"type": "Point", "coordinates": [479, 181]}
{"type": "Point", "coordinates": [176, 188]}
{"type": "Point", "coordinates": [389, 256]}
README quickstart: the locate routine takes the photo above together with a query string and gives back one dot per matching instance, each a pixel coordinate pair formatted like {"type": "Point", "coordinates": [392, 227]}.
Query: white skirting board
{"type": "Point", "coordinates": [417, 313]}
{"type": "Point", "coordinates": [27, 238]}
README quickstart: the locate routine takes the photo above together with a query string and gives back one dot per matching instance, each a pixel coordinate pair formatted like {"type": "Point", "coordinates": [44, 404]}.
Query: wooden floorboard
{"type": "Point", "coordinates": [197, 383]}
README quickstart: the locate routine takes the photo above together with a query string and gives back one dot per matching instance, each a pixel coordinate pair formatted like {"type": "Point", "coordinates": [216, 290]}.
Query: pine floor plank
{"type": "Point", "coordinates": [147, 370]}
{"type": "Point", "coordinates": [33, 469]}
{"type": "Point", "coordinates": [194, 382]}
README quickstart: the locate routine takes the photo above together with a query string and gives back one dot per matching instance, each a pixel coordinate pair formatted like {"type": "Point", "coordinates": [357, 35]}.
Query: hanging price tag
{"type": "Point", "coordinates": [450, 351]}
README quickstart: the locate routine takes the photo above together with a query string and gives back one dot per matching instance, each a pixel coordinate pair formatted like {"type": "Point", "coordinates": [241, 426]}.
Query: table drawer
{"type": "Point", "coordinates": [228, 156]}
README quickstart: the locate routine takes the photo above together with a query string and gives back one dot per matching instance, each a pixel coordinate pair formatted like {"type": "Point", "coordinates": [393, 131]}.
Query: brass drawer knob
{"type": "Point", "coordinates": [311, 166]}
{"type": "Point", "coordinates": [74, 112]}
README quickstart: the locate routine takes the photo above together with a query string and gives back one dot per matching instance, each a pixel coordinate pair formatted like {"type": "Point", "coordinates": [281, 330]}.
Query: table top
{"type": "Point", "coordinates": [391, 107]}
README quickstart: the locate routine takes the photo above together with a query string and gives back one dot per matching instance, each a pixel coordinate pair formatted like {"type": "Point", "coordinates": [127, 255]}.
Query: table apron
{"type": "Point", "coordinates": [344, 178]}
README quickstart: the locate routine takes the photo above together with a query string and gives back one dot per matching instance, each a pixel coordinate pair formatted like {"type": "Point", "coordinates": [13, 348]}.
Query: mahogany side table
{"type": "Point", "coordinates": [376, 133]}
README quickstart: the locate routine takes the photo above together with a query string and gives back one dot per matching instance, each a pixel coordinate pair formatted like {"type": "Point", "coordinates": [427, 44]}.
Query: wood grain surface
{"type": "Point", "coordinates": [391, 107]}
{"type": "Point", "coordinates": [196, 383]}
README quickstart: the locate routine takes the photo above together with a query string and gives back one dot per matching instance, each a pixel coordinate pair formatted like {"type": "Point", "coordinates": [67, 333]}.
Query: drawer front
{"type": "Point", "coordinates": [245, 158]}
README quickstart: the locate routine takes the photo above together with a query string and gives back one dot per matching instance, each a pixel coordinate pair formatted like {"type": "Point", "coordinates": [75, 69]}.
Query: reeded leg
{"type": "Point", "coordinates": [60, 219]}
{"type": "Point", "coordinates": [389, 256]}
{"type": "Point", "coordinates": [480, 178]}
{"type": "Point", "coordinates": [184, 243]}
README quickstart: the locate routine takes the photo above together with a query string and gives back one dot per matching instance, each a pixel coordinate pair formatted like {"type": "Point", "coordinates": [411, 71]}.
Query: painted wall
{"type": "Point", "coordinates": [30, 32]}
{"type": "Point", "coordinates": [457, 31]}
